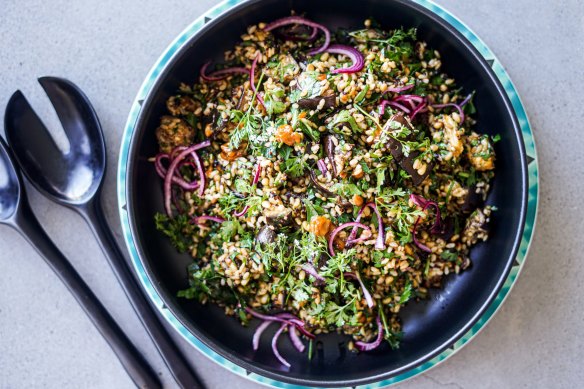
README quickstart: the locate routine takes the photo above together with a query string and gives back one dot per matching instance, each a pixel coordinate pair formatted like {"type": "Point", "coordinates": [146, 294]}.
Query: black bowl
{"type": "Point", "coordinates": [430, 326]}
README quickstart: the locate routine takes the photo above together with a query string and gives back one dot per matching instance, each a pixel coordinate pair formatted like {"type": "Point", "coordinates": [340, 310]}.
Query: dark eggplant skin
{"type": "Point", "coordinates": [312, 103]}
{"type": "Point", "coordinates": [278, 217]}
{"type": "Point", "coordinates": [406, 163]}
{"type": "Point", "coordinates": [265, 235]}
{"type": "Point", "coordinates": [319, 187]}
{"type": "Point", "coordinates": [472, 201]}
{"type": "Point", "coordinates": [345, 205]}
{"type": "Point", "coordinates": [447, 230]}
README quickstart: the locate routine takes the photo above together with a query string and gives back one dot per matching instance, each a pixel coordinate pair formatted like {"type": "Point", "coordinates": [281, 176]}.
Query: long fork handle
{"type": "Point", "coordinates": [130, 358]}
{"type": "Point", "coordinates": [172, 356]}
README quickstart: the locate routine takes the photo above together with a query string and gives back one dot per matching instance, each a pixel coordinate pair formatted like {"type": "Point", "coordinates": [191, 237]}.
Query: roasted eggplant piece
{"type": "Point", "coordinates": [406, 163]}
{"type": "Point", "coordinates": [266, 235]}
{"type": "Point", "coordinates": [447, 230]}
{"type": "Point", "coordinates": [472, 201]}
{"type": "Point", "coordinates": [313, 103]}
{"type": "Point", "coordinates": [278, 217]}
{"type": "Point", "coordinates": [324, 191]}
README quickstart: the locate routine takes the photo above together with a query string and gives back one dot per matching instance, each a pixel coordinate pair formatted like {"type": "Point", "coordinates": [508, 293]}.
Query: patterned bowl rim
{"type": "Point", "coordinates": [532, 201]}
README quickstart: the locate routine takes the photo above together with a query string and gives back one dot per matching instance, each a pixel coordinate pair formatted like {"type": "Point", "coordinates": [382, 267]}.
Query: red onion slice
{"type": "Point", "coordinates": [160, 170]}
{"type": "Point", "coordinates": [437, 226]}
{"type": "Point", "coordinates": [420, 108]}
{"type": "Point", "coordinates": [416, 242]}
{"type": "Point", "coordinates": [198, 220]}
{"type": "Point", "coordinates": [295, 339]}
{"type": "Point", "coordinates": [171, 170]}
{"type": "Point", "coordinates": [264, 317]}
{"type": "Point", "coordinates": [256, 176]}
{"type": "Point", "coordinates": [352, 242]}
{"type": "Point", "coordinates": [418, 200]}
{"type": "Point", "coordinates": [220, 74]}
{"type": "Point", "coordinates": [362, 346]}
{"type": "Point", "coordinates": [275, 345]}
{"type": "Point", "coordinates": [324, 191]}
{"type": "Point", "coordinates": [297, 322]}
{"type": "Point", "coordinates": [393, 104]}
{"type": "Point", "coordinates": [176, 179]}
{"type": "Point", "coordinates": [458, 108]}
{"type": "Point", "coordinates": [300, 20]}
{"type": "Point", "coordinates": [292, 325]}
{"type": "Point", "coordinates": [339, 229]}
{"type": "Point", "coordinates": [289, 316]}
{"type": "Point", "coordinates": [322, 166]}
{"type": "Point", "coordinates": [354, 54]}
{"type": "Point", "coordinates": [415, 98]}
{"type": "Point", "coordinates": [202, 179]}
{"type": "Point", "coordinates": [366, 294]}
{"type": "Point", "coordinates": [412, 100]}
{"type": "Point", "coordinates": [353, 234]}
{"type": "Point", "coordinates": [242, 212]}
{"type": "Point", "coordinates": [466, 100]}
{"type": "Point", "coordinates": [283, 317]}
{"type": "Point", "coordinates": [309, 268]}
{"type": "Point", "coordinates": [425, 204]}
{"type": "Point", "coordinates": [258, 333]}
{"type": "Point", "coordinates": [380, 241]}
{"type": "Point", "coordinates": [255, 180]}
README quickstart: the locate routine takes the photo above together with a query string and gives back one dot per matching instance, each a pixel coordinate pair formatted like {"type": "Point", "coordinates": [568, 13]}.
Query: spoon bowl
{"type": "Point", "coordinates": [9, 185]}
{"type": "Point", "coordinates": [73, 177]}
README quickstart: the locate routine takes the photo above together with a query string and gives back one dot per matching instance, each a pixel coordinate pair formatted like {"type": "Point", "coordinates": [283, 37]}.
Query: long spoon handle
{"type": "Point", "coordinates": [173, 358]}
{"type": "Point", "coordinates": [130, 358]}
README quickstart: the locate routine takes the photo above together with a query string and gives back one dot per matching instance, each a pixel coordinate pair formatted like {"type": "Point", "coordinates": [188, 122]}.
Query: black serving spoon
{"type": "Point", "coordinates": [74, 179]}
{"type": "Point", "coordinates": [16, 213]}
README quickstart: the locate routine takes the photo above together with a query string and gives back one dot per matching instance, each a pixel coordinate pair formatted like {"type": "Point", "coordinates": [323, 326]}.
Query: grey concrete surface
{"type": "Point", "coordinates": [107, 47]}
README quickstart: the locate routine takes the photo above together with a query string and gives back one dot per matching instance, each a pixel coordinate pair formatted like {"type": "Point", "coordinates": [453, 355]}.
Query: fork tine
{"type": "Point", "coordinates": [75, 112]}
{"type": "Point", "coordinates": [23, 124]}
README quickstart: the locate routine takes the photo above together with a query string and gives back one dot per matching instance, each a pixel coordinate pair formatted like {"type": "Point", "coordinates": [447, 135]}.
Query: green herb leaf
{"type": "Point", "coordinates": [450, 256]}
{"type": "Point", "coordinates": [406, 294]}
{"type": "Point", "coordinates": [346, 189]}
{"type": "Point", "coordinates": [362, 94]}
{"type": "Point", "coordinates": [177, 229]}
{"type": "Point", "coordinates": [229, 229]}
{"type": "Point", "coordinates": [344, 117]}
{"type": "Point", "coordinates": [310, 209]}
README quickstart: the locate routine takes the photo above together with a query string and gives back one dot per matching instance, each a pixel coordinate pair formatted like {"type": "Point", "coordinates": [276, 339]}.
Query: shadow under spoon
{"type": "Point", "coordinates": [16, 213]}
{"type": "Point", "coordinates": [74, 179]}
